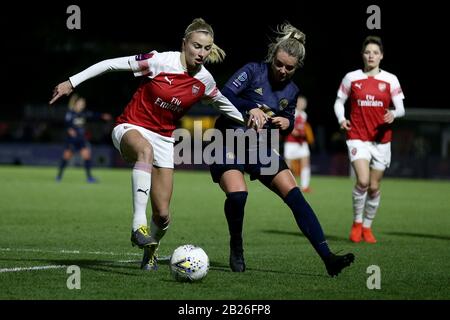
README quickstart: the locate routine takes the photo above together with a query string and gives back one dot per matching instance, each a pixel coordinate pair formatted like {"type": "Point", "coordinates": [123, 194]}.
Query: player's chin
{"type": "Point", "coordinates": [283, 78]}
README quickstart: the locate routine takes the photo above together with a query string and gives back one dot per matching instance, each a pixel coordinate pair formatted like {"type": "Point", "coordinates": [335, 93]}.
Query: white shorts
{"type": "Point", "coordinates": [294, 150]}
{"type": "Point", "coordinates": [378, 154]}
{"type": "Point", "coordinates": [162, 146]}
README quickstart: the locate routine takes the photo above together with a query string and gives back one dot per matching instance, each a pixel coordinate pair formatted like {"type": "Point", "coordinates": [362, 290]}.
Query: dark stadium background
{"type": "Point", "coordinates": [39, 51]}
{"type": "Point", "coordinates": [44, 223]}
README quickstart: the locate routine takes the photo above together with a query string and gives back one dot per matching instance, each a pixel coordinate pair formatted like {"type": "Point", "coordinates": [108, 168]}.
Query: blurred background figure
{"type": "Point", "coordinates": [296, 146]}
{"type": "Point", "coordinates": [76, 140]}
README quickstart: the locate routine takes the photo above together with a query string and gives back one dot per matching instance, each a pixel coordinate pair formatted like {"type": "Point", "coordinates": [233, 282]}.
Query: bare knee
{"type": "Point", "coordinates": [67, 155]}
{"type": "Point", "coordinates": [85, 153]}
{"type": "Point", "coordinates": [135, 148]}
{"type": "Point", "coordinates": [233, 181]}
{"type": "Point", "coordinates": [283, 183]}
{"type": "Point", "coordinates": [374, 189]}
{"type": "Point", "coordinates": [145, 154]}
{"type": "Point", "coordinates": [362, 184]}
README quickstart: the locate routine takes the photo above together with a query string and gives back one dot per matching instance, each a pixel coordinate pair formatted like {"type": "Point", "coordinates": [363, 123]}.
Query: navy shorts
{"type": "Point", "coordinates": [263, 168]}
{"type": "Point", "coordinates": [75, 144]}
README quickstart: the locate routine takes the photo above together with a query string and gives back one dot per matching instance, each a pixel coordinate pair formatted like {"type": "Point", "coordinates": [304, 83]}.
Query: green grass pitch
{"type": "Point", "coordinates": [44, 224]}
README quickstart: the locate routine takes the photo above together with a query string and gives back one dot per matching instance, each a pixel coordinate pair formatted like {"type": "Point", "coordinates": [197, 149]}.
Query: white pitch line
{"type": "Point", "coordinates": [64, 251]}
{"type": "Point", "coordinates": [17, 269]}
{"type": "Point", "coordinates": [71, 252]}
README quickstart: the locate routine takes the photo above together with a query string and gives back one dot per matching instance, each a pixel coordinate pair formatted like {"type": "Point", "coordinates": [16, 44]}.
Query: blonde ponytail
{"type": "Point", "coordinates": [217, 54]}
{"type": "Point", "coordinates": [291, 40]}
{"type": "Point", "coordinates": [73, 100]}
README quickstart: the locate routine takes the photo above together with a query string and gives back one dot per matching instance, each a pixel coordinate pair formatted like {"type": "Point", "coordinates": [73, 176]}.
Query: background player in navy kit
{"type": "Point", "coordinates": [76, 141]}
{"type": "Point", "coordinates": [267, 86]}
{"type": "Point", "coordinates": [172, 83]}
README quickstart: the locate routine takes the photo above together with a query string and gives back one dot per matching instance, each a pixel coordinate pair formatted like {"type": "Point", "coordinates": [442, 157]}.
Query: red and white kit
{"type": "Point", "coordinates": [166, 93]}
{"type": "Point", "coordinates": [370, 99]}
{"type": "Point", "coordinates": [297, 147]}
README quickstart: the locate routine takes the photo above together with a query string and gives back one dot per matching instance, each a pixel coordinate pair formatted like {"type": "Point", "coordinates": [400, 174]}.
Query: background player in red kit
{"type": "Point", "coordinates": [296, 148]}
{"type": "Point", "coordinates": [369, 131]}
{"type": "Point", "coordinates": [172, 83]}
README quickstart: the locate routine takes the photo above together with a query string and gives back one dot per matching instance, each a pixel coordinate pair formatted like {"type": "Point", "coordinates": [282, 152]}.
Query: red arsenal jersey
{"type": "Point", "coordinates": [370, 98]}
{"type": "Point", "coordinates": [299, 125]}
{"type": "Point", "coordinates": [166, 93]}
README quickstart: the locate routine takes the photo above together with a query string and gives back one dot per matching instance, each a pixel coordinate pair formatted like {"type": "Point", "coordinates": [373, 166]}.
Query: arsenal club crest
{"type": "Point", "coordinates": [353, 151]}
{"type": "Point", "coordinates": [195, 90]}
{"type": "Point", "coordinates": [382, 86]}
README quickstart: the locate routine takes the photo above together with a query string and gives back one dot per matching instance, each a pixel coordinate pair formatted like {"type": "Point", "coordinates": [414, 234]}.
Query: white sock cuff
{"type": "Point", "coordinates": [305, 177]}
{"type": "Point", "coordinates": [357, 190]}
{"type": "Point", "coordinates": [143, 166]}
{"type": "Point", "coordinates": [375, 195]}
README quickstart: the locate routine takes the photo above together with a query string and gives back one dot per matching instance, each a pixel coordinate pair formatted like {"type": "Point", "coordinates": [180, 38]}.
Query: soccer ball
{"type": "Point", "coordinates": [189, 263]}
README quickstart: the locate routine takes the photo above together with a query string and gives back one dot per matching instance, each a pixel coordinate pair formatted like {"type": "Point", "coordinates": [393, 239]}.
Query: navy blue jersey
{"type": "Point", "coordinates": [77, 121]}
{"type": "Point", "coordinates": [250, 86]}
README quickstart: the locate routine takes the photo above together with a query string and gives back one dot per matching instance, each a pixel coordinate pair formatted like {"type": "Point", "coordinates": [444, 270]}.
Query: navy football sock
{"type": "Point", "coordinates": [87, 167]}
{"type": "Point", "coordinates": [234, 212]}
{"type": "Point", "coordinates": [307, 222]}
{"type": "Point", "coordinates": [62, 165]}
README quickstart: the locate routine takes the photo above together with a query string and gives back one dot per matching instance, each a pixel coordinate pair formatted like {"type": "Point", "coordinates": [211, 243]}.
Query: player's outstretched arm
{"type": "Point", "coordinates": [66, 87]}
{"type": "Point", "coordinates": [63, 89]}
